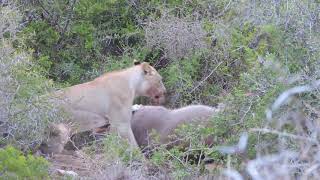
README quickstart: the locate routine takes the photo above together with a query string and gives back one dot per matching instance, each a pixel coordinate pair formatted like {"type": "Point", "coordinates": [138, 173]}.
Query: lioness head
{"type": "Point", "coordinates": [152, 85]}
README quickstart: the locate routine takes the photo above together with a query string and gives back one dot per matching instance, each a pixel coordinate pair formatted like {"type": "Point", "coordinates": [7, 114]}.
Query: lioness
{"type": "Point", "coordinates": [108, 99]}
{"type": "Point", "coordinates": [164, 121]}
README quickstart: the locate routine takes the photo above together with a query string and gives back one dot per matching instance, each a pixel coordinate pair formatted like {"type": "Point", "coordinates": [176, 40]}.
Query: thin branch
{"type": "Point", "coordinates": [310, 171]}
{"type": "Point", "coordinates": [202, 81]}
{"type": "Point", "coordinates": [288, 93]}
{"type": "Point", "coordinates": [284, 134]}
{"type": "Point", "coordinates": [254, 166]}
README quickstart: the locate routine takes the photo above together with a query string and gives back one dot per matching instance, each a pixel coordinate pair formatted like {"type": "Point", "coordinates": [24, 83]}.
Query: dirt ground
{"type": "Point", "coordinates": [73, 160]}
{"type": "Point", "coordinates": [76, 162]}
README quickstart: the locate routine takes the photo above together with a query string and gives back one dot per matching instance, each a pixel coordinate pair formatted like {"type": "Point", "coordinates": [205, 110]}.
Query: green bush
{"type": "Point", "coordinates": [185, 160]}
{"type": "Point", "coordinates": [245, 109]}
{"type": "Point", "coordinates": [15, 165]}
{"type": "Point", "coordinates": [242, 53]}
{"type": "Point", "coordinates": [247, 102]}
{"type": "Point", "coordinates": [76, 47]}
{"type": "Point", "coordinates": [180, 77]}
{"type": "Point", "coordinates": [117, 148]}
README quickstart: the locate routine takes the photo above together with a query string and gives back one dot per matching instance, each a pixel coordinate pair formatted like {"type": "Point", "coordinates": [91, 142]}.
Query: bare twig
{"type": "Point", "coordinates": [202, 81]}
{"type": "Point", "coordinates": [284, 134]}
{"type": "Point", "coordinates": [254, 165]}
{"type": "Point", "coordinates": [310, 170]}
{"type": "Point", "coordinates": [238, 148]}
{"type": "Point", "coordinates": [285, 95]}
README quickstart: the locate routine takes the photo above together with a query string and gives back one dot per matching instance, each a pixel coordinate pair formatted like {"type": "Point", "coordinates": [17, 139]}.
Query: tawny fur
{"type": "Point", "coordinates": [108, 99]}
{"type": "Point", "coordinates": [164, 121]}
{"type": "Point", "coordinates": [59, 135]}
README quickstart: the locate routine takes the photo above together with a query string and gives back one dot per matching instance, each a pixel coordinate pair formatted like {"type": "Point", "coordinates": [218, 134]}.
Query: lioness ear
{"type": "Point", "coordinates": [136, 62]}
{"type": "Point", "coordinates": [146, 68]}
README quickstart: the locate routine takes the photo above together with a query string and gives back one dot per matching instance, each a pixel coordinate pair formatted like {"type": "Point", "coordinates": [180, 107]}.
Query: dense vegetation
{"type": "Point", "coordinates": [243, 54]}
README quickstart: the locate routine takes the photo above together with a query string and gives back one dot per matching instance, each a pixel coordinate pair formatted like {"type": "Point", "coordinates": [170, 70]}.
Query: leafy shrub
{"type": "Point", "coordinates": [24, 113]}
{"type": "Point", "coordinates": [244, 53]}
{"type": "Point", "coordinates": [116, 147]}
{"type": "Point", "coordinates": [14, 165]}
{"type": "Point", "coordinates": [245, 109]}
{"type": "Point", "coordinates": [180, 77]}
{"type": "Point", "coordinates": [187, 159]}
{"type": "Point", "coordinates": [91, 30]}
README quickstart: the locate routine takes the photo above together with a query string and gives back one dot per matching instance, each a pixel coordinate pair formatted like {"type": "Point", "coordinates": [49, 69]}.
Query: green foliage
{"type": "Point", "coordinates": [180, 76]}
{"type": "Point", "coordinates": [253, 53]}
{"type": "Point", "coordinates": [126, 60]}
{"type": "Point", "coordinates": [78, 36]}
{"type": "Point", "coordinates": [15, 165]}
{"type": "Point", "coordinates": [85, 31]}
{"type": "Point", "coordinates": [114, 17]}
{"type": "Point", "coordinates": [184, 160]}
{"type": "Point", "coordinates": [31, 82]}
{"type": "Point", "coordinates": [245, 109]}
{"type": "Point", "coordinates": [118, 148]}
{"type": "Point", "coordinates": [74, 48]}
{"type": "Point", "coordinates": [41, 36]}
{"type": "Point", "coordinates": [247, 104]}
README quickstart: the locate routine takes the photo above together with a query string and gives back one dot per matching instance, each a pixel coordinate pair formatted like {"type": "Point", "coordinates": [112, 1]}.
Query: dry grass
{"type": "Point", "coordinates": [24, 112]}
{"type": "Point", "coordinates": [296, 154]}
{"type": "Point", "coordinates": [177, 37]}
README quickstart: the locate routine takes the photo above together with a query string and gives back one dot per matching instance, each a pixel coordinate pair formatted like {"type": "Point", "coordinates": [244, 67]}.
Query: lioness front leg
{"type": "Point", "coordinates": [120, 123]}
